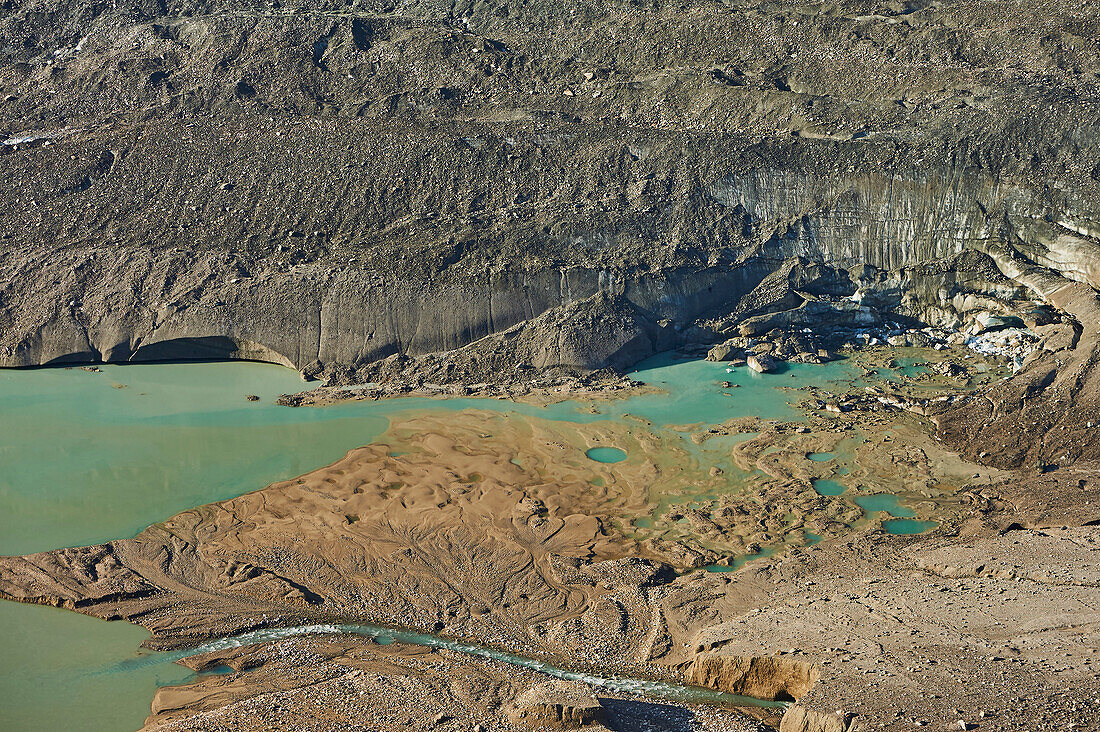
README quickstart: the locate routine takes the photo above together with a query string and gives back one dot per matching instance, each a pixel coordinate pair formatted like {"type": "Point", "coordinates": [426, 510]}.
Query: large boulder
{"type": "Point", "coordinates": [556, 705]}
{"type": "Point", "coordinates": [727, 351]}
{"type": "Point", "coordinates": [801, 719]}
{"type": "Point", "coordinates": [762, 677]}
{"type": "Point", "coordinates": [761, 363]}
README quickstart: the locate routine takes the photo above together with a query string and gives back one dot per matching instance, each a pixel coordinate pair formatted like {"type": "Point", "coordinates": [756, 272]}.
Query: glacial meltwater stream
{"type": "Point", "coordinates": [90, 456]}
{"type": "Point", "coordinates": [386, 636]}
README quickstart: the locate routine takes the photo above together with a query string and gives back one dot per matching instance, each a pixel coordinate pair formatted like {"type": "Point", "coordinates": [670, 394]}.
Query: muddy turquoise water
{"type": "Point", "coordinates": [92, 457]}
{"type": "Point", "coordinates": [905, 526]}
{"type": "Point", "coordinates": [606, 454]}
{"type": "Point", "coordinates": [883, 502]}
{"type": "Point", "coordinates": [65, 671]}
{"type": "Point", "coordinates": [904, 367]}
{"type": "Point", "coordinates": [911, 367]}
{"type": "Point", "coordinates": [89, 457]}
{"type": "Point", "coordinates": [826, 487]}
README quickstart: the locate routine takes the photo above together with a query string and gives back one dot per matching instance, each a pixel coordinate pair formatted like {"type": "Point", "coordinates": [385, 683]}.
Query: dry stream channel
{"type": "Point", "coordinates": [92, 455]}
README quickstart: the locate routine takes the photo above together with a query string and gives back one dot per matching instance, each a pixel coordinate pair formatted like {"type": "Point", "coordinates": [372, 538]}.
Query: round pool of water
{"type": "Point", "coordinates": [826, 487]}
{"type": "Point", "coordinates": [606, 454]}
{"type": "Point", "coordinates": [821, 457]}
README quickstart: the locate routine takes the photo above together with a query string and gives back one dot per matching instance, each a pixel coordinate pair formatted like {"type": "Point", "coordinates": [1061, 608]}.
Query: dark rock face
{"type": "Point", "coordinates": [325, 185]}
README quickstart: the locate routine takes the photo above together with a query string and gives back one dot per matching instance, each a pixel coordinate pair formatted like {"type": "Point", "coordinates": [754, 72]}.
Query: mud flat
{"type": "Point", "coordinates": [482, 526]}
{"type": "Point", "coordinates": [162, 435]}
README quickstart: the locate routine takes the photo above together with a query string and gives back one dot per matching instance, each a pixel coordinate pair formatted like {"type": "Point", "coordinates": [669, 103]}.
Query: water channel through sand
{"type": "Point", "coordinates": [87, 457]}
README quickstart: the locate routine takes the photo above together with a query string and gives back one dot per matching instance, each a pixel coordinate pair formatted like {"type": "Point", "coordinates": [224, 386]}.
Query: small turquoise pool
{"type": "Point", "coordinates": [884, 502]}
{"type": "Point", "coordinates": [826, 487]}
{"type": "Point", "coordinates": [606, 454]}
{"type": "Point", "coordinates": [910, 367]}
{"type": "Point", "coordinates": [905, 526]}
{"type": "Point", "coordinates": [821, 457]}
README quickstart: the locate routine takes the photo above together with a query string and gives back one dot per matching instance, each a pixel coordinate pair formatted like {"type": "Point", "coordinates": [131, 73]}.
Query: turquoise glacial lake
{"type": "Point", "coordinates": [826, 487]}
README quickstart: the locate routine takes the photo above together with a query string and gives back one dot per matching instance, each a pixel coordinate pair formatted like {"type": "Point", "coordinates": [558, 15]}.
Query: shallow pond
{"type": "Point", "coordinates": [883, 502]}
{"type": "Point", "coordinates": [827, 487]}
{"type": "Point", "coordinates": [60, 666]}
{"type": "Point", "coordinates": [606, 454]}
{"type": "Point", "coordinates": [905, 526]}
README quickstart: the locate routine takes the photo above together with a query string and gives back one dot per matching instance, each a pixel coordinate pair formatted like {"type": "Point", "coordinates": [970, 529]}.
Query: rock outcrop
{"type": "Point", "coordinates": [557, 705]}
{"type": "Point", "coordinates": [800, 719]}
{"type": "Point", "coordinates": [763, 677]}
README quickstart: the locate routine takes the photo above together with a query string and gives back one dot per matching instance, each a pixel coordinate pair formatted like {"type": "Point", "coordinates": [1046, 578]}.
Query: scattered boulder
{"type": "Point", "coordinates": [761, 363]}
{"type": "Point", "coordinates": [556, 705]}
{"type": "Point", "coordinates": [801, 719]}
{"type": "Point", "coordinates": [634, 572]}
{"type": "Point", "coordinates": [724, 351]}
{"type": "Point", "coordinates": [951, 369]}
{"type": "Point", "coordinates": [762, 677]}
